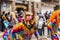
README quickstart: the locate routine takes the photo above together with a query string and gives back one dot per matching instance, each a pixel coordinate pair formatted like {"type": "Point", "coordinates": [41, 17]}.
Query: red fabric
{"type": "Point", "coordinates": [54, 39]}
{"type": "Point", "coordinates": [20, 20]}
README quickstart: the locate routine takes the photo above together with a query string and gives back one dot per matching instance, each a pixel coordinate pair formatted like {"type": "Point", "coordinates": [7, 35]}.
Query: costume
{"type": "Point", "coordinates": [54, 21]}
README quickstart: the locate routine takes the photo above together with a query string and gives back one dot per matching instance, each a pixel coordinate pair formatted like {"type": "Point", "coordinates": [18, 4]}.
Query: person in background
{"type": "Point", "coordinates": [40, 25]}
{"type": "Point", "coordinates": [20, 13]}
{"type": "Point", "coordinates": [10, 20]}
{"type": "Point", "coordinates": [43, 21]}
{"type": "Point", "coordinates": [49, 16]}
{"type": "Point", "coordinates": [14, 19]}
{"type": "Point", "coordinates": [40, 14]}
{"type": "Point", "coordinates": [46, 15]}
{"type": "Point", "coordinates": [49, 13]}
{"type": "Point", "coordinates": [16, 14]}
{"type": "Point", "coordinates": [2, 19]}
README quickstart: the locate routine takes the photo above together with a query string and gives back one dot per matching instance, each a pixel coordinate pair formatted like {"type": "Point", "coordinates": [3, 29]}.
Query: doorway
{"type": "Point", "coordinates": [19, 9]}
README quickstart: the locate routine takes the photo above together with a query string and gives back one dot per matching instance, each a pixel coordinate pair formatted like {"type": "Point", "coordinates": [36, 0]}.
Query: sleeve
{"type": "Point", "coordinates": [53, 16]}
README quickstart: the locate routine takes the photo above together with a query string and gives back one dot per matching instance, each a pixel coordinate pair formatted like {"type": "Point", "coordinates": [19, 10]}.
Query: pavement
{"type": "Point", "coordinates": [1, 38]}
{"type": "Point", "coordinates": [42, 38]}
{"type": "Point", "coordinates": [33, 38]}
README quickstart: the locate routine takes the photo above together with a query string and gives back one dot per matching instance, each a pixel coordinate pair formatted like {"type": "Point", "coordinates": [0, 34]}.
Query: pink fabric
{"type": "Point", "coordinates": [20, 20]}
{"type": "Point", "coordinates": [28, 17]}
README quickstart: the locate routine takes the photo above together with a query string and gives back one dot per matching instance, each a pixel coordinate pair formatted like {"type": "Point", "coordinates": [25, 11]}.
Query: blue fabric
{"type": "Point", "coordinates": [13, 34]}
{"type": "Point", "coordinates": [37, 33]}
{"type": "Point", "coordinates": [58, 29]}
{"type": "Point", "coordinates": [10, 24]}
{"type": "Point", "coordinates": [5, 38]}
{"type": "Point", "coordinates": [53, 25]}
{"type": "Point", "coordinates": [40, 32]}
{"type": "Point", "coordinates": [6, 23]}
{"type": "Point", "coordinates": [54, 36]}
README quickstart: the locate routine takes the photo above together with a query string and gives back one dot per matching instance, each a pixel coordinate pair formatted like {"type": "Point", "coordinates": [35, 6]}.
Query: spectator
{"type": "Point", "coordinates": [46, 15]}
{"type": "Point", "coordinates": [49, 13]}
{"type": "Point", "coordinates": [9, 18]}
{"type": "Point", "coordinates": [2, 19]}
{"type": "Point", "coordinates": [20, 13]}
{"type": "Point", "coordinates": [40, 14]}
{"type": "Point", "coordinates": [40, 25]}
{"type": "Point", "coordinates": [16, 14]}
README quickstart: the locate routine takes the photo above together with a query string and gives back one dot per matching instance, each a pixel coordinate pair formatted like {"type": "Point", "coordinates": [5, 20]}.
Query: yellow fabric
{"type": "Point", "coordinates": [20, 37]}
{"type": "Point", "coordinates": [3, 17]}
{"type": "Point", "coordinates": [19, 25]}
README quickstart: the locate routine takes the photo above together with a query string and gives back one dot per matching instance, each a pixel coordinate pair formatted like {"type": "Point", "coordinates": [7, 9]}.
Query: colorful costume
{"type": "Point", "coordinates": [54, 20]}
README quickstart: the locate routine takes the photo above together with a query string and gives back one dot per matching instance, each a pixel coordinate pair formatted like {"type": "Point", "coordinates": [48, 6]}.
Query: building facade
{"type": "Point", "coordinates": [12, 5]}
{"type": "Point", "coordinates": [21, 5]}
{"type": "Point", "coordinates": [7, 5]}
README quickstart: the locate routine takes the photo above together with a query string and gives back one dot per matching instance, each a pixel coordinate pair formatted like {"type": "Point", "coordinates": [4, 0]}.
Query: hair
{"type": "Point", "coordinates": [3, 12]}
{"type": "Point", "coordinates": [56, 7]}
{"type": "Point", "coordinates": [8, 13]}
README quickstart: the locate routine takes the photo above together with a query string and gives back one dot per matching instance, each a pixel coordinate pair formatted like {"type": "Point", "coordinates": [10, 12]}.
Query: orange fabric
{"type": "Point", "coordinates": [55, 15]}
{"type": "Point", "coordinates": [58, 17]}
{"type": "Point", "coordinates": [19, 26]}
